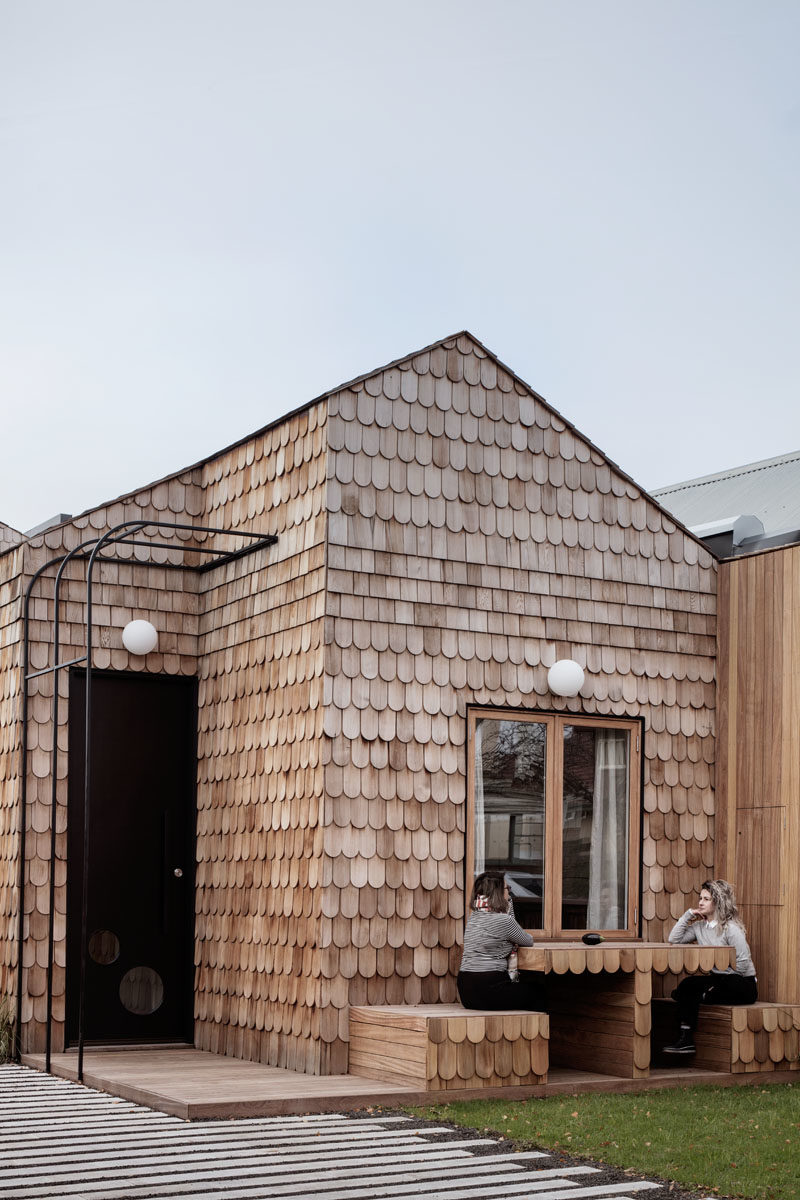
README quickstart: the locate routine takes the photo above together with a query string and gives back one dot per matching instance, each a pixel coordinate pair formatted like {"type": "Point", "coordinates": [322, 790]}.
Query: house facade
{"type": "Point", "coordinates": [372, 714]}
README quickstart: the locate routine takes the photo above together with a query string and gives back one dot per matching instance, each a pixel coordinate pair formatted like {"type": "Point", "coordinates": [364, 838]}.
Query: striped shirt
{"type": "Point", "coordinates": [489, 939]}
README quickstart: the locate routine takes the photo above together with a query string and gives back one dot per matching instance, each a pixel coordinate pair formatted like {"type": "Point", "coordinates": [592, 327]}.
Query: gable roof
{"type": "Point", "coordinates": [450, 340]}
{"type": "Point", "coordinates": [768, 489]}
{"type": "Point", "coordinates": [465, 333]}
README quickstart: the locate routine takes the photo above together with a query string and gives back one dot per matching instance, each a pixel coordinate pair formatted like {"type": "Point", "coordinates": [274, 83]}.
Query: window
{"type": "Point", "coordinates": [554, 802]}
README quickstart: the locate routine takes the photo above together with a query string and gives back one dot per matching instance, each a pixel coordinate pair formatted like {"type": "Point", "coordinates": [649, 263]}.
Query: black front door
{"type": "Point", "coordinates": [139, 967]}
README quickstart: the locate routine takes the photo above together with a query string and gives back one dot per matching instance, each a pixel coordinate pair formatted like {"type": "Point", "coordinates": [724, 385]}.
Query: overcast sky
{"type": "Point", "coordinates": [212, 211]}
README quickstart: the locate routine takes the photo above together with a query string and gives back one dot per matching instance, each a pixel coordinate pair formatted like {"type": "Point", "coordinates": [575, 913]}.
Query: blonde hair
{"type": "Point", "coordinates": [724, 899]}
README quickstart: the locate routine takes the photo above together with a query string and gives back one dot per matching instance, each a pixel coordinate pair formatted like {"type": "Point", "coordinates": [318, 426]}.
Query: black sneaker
{"type": "Point", "coordinates": [684, 1045]}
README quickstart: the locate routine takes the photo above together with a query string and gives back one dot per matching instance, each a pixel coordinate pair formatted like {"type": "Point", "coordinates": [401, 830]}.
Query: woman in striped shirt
{"type": "Point", "coordinates": [491, 935]}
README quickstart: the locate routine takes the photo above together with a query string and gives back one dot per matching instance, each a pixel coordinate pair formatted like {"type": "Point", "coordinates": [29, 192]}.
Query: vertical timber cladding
{"type": "Point", "coordinates": [758, 842]}
{"type": "Point", "coordinates": [169, 598]}
{"type": "Point", "coordinates": [473, 537]}
{"type": "Point", "coordinates": [10, 731]}
{"type": "Point", "coordinates": [260, 782]}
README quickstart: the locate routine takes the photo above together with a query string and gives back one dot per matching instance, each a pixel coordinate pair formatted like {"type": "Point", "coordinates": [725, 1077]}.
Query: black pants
{"type": "Point", "coordinates": [712, 989]}
{"type": "Point", "coordinates": [494, 990]}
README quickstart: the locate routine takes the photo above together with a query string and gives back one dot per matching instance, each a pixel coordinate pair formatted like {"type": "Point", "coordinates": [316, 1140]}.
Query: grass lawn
{"type": "Point", "coordinates": [733, 1141]}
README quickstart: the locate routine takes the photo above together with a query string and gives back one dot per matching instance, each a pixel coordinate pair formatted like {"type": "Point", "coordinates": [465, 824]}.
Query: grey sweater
{"type": "Point", "coordinates": [714, 934]}
{"type": "Point", "coordinates": [489, 939]}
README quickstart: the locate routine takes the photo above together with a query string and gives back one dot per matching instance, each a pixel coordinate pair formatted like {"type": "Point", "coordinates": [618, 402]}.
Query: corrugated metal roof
{"type": "Point", "coordinates": [769, 489]}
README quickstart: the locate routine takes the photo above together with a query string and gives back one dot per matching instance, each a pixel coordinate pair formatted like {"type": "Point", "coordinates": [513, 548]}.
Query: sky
{"type": "Point", "coordinates": [212, 211]}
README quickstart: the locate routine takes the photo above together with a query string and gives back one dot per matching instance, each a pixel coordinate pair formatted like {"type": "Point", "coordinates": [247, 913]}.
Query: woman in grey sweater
{"type": "Point", "coordinates": [491, 935]}
{"type": "Point", "coordinates": [714, 922]}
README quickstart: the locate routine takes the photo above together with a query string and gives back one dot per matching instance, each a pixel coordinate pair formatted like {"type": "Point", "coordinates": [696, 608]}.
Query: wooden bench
{"type": "Point", "coordinates": [443, 1047]}
{"type": "Point", "coordinates": [764, 1036]}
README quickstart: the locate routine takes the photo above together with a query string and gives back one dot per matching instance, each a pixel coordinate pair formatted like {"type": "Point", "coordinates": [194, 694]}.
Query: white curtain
{"type": "Point", "coordinates": [479, 813]}
{"type": "Point", "coordinates": [608, 855]}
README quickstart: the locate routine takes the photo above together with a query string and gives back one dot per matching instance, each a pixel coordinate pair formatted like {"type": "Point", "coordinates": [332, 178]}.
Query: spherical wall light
{"type": "Point", "coordinates": [565, 677]}
{"type": "Point", "coordinates": [139, 637]}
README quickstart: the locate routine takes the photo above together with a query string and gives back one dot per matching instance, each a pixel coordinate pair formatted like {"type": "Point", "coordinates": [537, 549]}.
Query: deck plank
{"type": "Point", "coordinates": [196, 1085]}
{"type": "Point", "coordinates": [324, 1157]}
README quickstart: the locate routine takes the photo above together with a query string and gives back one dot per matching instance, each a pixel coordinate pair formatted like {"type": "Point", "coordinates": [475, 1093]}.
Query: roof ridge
{"type": "Point", "coordinates": [762, 464]}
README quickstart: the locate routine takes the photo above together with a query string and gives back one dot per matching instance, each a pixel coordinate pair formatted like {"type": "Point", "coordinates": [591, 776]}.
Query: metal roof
{"type": "Point", "coordinates": [769, 490]}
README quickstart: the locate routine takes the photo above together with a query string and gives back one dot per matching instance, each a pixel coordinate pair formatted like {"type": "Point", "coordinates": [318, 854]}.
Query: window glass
{"type": "Point", "coordinates": [510, 784]}
{"type": "Point", "coordinates": [554, 805]}
{"type": "Point", "coordinates": [595, 825]}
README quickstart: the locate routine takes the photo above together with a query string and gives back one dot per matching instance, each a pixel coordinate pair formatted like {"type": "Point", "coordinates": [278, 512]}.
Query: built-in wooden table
{"type": "Point", "coordinates": [600, 998]}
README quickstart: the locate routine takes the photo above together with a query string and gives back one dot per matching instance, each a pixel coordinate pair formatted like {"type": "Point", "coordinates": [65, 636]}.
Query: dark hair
{"type": "Point", "coordinates": [492, 885]}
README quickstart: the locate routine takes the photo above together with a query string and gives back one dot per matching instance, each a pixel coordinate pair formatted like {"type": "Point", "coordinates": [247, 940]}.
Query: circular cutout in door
{"type": "Point", "coordinates": [141, 991]}
{"type": "Point", "coordinates": [104, 947]}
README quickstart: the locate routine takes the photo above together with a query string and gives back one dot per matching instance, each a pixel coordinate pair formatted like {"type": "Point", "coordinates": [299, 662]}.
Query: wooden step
{"type": "Point", "coordinates": [445, 1047]}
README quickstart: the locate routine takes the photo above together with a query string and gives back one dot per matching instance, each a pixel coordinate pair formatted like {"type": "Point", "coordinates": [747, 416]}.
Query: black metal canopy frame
{"type": "Point", "coordinates": [128, 533]}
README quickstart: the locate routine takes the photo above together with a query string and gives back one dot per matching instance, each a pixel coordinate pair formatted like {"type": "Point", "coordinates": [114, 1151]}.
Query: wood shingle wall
{"type": "Point", "coordinates": [260, 790]}
{"type": "Point", "coordinates": [10, 685]}
{"type": "Point", "coordinates": [444, 536]}
{"type": "Point", "coordinates": [8, 537]}
{"type": "Point", "coordinates": [474, 537]}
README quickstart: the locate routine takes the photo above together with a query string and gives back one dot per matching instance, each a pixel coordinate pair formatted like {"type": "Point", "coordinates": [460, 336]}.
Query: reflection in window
{"type": "Point", "coordinates": [595, 823]}
{"type": "Point", "coordinates": [510, 809]}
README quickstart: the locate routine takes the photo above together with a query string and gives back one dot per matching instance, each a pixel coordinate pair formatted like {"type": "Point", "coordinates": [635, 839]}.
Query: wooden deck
{"type": "Point", "coordinates": [193, 1084]}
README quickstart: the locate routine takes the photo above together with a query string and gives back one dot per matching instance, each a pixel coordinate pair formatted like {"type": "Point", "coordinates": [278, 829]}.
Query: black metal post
{"type": "Point", "coordinates": [51, 911]}
{"type": "Point", "coordinates": [23, 797]}
{"type": "Point", "coordinates": [26, 676]}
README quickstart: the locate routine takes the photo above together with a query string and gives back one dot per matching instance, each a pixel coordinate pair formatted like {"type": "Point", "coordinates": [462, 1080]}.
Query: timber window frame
{"type": "Point", "coordinates": [553, 902]}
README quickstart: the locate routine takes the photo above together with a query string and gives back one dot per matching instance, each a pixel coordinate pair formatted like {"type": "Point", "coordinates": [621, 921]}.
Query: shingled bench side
{"type": "Point", "coordinates": [444, 1047]}
{"type": "Point", "coordinates": [764, 1036]}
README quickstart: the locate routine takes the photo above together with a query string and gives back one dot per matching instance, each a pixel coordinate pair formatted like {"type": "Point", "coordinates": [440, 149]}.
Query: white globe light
{"type": "Point", "coordinates": [565, 678]}
{"type": "Point", "coordinates": [139, 637]}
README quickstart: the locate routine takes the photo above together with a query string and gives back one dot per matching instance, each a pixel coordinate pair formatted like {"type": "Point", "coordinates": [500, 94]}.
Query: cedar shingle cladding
{"type": "Point", "coordinates": [473, 537]}
{"type": "Point", "coordinates": [10, 636]}
{"type": "Point", "coordinates": [261, 747]}
{"type": "Point", "coordinates": [8, 537]}
{"type": "Point", "coordinates": [443, 536]}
